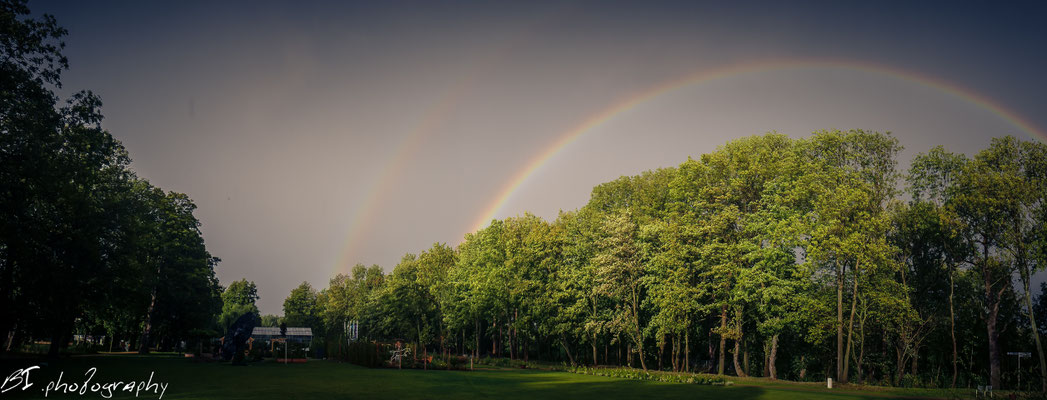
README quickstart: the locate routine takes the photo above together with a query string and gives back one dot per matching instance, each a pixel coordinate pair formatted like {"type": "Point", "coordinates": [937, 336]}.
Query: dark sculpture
{"type": "Point", "coordinates": [236, 337]}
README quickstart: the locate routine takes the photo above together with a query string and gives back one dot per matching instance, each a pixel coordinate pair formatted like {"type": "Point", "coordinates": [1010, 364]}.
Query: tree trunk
{"type": "Point", "coordinates": [745, 358]}
{"type": "Point", "coordinates": [661, 352]}
{"type": "Point", "coordinates": [148, 326]}
{"type": "Point", "coordinates": [766, 358]}
{"type": "Point", "coordinates": [952, 326]}
{"type": "Point", "coordinates": [636, 322]}
{"type": "Point", "coordinates": [53, 349]}
{"type": "Point", "coordinates": [676, 353]}
{"type": "Point", "coordinates": [14, 338]}
{"type": "Point", "coordinates": [687, 352]}
{"type": "Point", "coordinates": [1035, 331]}
{"type": "Point", "coordinates": [639, 349]}
{"type": "Point", "coordinates": [496, 342]}
{"type": "Point", "coordinates": [738, 337]}
{"type": "Point", "coordinates": [723, 340]}
{"type": "Point", "coordinates": [712, 348]}
{"type": "Point", "coordinates": [737, 367]}
{"type": "Point", "coordinates": [861, 349]}
{"type": "Point", "coordinates": [994, 335]}
{"type": "Point", "coordinates": [629, 355]}
{"type": "Point", "coordinates": [915, 359]}
{"type": "Point", "coordinates": [511, 331]}
{"type": "Point", "coordinates": [850, 330]}
{"type": "Point", "coordinates": [992, 307]}
{"type": "Point", "coordinates": [839, 320]}
{"type": "Point", "coordinates": [61, 334]}
{"type": "Point", "coordinates": [440, 331]}
{"type": "Point", "coordinates": [899, 364]}
{"type": "Point", "coordinates": [7, 299]}
{"type": "Point", "coordinates": [563, 342]}
{"type": "Point", "coordinates": [594, 350]}
{"type": "Point", "coordinates": [773, 357]}
{"type": "Point", "coordinates": [803, 369]}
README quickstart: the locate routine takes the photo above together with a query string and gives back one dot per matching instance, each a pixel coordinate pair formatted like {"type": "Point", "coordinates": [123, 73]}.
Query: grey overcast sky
{"type": "Point", "coordinates": [315, 135]}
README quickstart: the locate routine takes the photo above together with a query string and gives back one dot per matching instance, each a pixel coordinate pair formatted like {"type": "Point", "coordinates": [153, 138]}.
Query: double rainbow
{"type": "Point", "coordinates": [438, 114]}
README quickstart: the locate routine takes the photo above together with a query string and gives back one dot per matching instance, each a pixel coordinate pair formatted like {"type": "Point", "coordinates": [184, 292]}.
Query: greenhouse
{"type": "Point", "coordinates": [293, 334]}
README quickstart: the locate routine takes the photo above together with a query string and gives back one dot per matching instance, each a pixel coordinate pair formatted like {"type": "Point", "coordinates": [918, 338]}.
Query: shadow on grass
{"type": "Point", "coordinates": [332, 380]}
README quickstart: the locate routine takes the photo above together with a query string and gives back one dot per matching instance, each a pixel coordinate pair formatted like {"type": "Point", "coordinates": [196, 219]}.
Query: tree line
{"type": "Point", "coordinates": [771, 256]}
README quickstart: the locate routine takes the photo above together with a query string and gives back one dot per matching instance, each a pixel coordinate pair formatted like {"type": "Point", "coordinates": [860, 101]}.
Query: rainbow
{"type": "Point", "coordinates": [379, 189]}
{"type": "Point", "coordinates": [702, 76]}
{"type": "Point", "coordinates": [381, 186]}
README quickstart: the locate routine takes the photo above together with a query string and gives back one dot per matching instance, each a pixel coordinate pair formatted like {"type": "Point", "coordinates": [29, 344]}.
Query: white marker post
{"type": "Point", "coordinates": [829, 381]}
{"type": "Point", "coordinates": [1020, 355]}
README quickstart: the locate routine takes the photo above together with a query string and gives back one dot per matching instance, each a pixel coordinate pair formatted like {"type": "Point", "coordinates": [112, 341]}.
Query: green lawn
{"type": "Point", "coordinates": [332, 380]}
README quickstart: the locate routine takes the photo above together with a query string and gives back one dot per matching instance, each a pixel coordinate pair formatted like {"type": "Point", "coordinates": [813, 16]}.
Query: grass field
{"type": "Point", "coordinates": [332, 380]}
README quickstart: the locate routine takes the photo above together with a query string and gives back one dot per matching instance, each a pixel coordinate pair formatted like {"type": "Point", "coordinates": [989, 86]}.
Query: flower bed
{"type": "Point", "coordinates": [637, 374]}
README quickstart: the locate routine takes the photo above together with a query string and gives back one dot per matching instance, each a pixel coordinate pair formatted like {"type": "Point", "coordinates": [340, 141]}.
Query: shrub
{"type": "Point", "coordinates": [521, 364]}
{"type": "Point", "coordinates": [256, 353]}
{"type": "Point", "coordinates": [363, 354]}
{"type": "Point", "coordinates": [636, 374]}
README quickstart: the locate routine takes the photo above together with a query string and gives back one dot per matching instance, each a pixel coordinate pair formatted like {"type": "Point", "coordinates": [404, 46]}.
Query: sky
{"type": "Point", "coordinates": [320, 135]}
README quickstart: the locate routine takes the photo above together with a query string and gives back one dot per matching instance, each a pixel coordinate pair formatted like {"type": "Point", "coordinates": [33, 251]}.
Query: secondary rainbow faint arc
{"type": "Point", "coordinates": [702, 76]}
{"type": "Point", "coordinates": [381, 186]}
{"type": "Point", "coordinates": [435, 116]}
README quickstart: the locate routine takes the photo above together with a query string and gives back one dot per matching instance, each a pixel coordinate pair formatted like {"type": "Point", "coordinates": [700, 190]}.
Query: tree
{"type": "Point", "coordinates": [986, 204]}
{"type": "Point", "coordinates": [849, 180]}
{"type": "Point", "coordinates": [434, 265]}
{"type": "Point", "coordinates": [478, 279]}
{"type": "Point", "coordinates": [271, 320]}
{"type": "Point", "coordinates": [301, 308]}
{"type": "Point", "coordinates": [184, 290]}
{"type": "Point", "coordinates": [238, 299]}
{"type": "Point", "coordinates": [582, 309]}
{"type": "Point", "coordinates": [402, 307]}
{"type": "Point", "coordinates": [349, 298]}
{"type": "Point", "coordinates": [934, 233]}
{"type": "Point", "coordinates": [674, 289]}
{"type": "Point", "coordinates": [1015, 175]}
{"type": "Point", "coordinates": [64, 184]}
{"type": "Point", "coordinates": [620, 275]}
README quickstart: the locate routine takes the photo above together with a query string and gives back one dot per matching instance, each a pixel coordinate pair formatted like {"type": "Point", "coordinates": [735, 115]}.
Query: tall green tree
{"type": "Point", "coordinates": [584, 311]}
{"type": "Point", "coordinates": [184, 291]}
{"type": "Point", "coordinates": [302, 308]}
{"type": "Point", "coordinates": [434, 265]}
{"type": "Point", "coordinates": [238, 299]}
{"type": "Point", "coordinates": [850, 180]}
{"type": "Point", "coordinates": [674, 287]}
{"type": "Point", "coordinates": [986, 204]}
{"type": "Point", "coordinates": [930, 230]}
{"type": "Point", "coordinates": [620, 276]}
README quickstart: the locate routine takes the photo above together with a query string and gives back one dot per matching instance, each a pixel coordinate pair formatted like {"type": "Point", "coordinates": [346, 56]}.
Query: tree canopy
{"type": "Point", "coordinates": [772, 256]}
